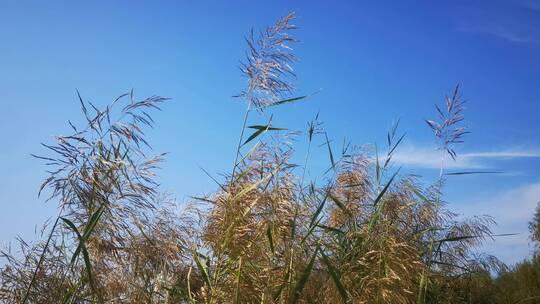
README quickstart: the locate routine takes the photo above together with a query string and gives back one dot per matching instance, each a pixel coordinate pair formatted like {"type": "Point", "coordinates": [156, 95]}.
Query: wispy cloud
{"type": "Point", "coordinates": [512, 210]}
{"type": "Point", "coordinates": [504, 154]}
{"type": "Point", "coordinates": [430, 158]}
{"type": "Point", "coordinates": [514, 21]}
{"type": "Point", "coordinates": [508, 32]}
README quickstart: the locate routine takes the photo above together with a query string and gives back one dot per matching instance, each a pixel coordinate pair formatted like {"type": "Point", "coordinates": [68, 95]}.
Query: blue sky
{"type": "Point", "coordinates": [371, 62]}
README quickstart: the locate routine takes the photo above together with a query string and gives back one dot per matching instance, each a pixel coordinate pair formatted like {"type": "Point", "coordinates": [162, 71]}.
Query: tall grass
{"type": "Point", "coordinates": [364, 233]}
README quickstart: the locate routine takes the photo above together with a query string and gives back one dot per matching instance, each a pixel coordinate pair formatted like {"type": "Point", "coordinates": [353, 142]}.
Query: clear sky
{"type": "Point", "coordinates": [373, 62]}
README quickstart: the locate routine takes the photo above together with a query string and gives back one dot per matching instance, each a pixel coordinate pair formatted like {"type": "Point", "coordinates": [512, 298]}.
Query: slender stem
{"type": "Point", "coordinates": [240, 143]}
{"type": "Point", "coordinates": [189, 285]}
{"type": "Point", "coordinates": [238, 277]}
{"type": "Point", "coordinates": [305, 166]}
{"type": "Point", "coordinates": [40, 261]}
{"type": "Point", "coordinates": [424, 280]}
{"type": "Point", "coordinates": [441, 171]}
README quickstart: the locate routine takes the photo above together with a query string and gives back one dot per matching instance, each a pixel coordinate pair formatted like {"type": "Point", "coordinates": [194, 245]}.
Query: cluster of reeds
{"type": "Point", "coordinates": [362, 234]}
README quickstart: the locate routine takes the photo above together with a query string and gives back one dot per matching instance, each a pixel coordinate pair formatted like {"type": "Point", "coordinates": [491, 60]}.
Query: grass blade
{"type": "Point", "coordinates": [336, 278]}
{"type": "Point", "coordinates": [473, 172]}
{"type": "Point", "coordinates": [82, 246]}
{"type": "Point", "coordinates": [377, 213]}
{"type": "Point", "coordinates": [260, 129]}
{"type": "Point", "coordinates": [338, 202]}
{"type": "Point", "coordinates": [27, 293]}
{"type": "Point", "coordinates": [330, 154]}
{"type": "Point", "coordinates": [319, 210]}
{"type": "Point", "coordinates": [281, 102]}
{"type": "Point", "coordinates": [297, 292]}
{"type": "Point", "coordinates": [202, 269]}
{"type": "Point", "coordinates": [92, 222]}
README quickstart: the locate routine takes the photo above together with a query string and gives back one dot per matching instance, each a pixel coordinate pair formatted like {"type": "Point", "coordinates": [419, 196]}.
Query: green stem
{"type": "Point", "coordinates": [41, 258]}
{"type": "Point", "coordinates": [240, 143]}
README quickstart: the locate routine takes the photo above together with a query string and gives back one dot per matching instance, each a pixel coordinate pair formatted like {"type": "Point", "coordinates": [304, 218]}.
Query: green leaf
{"type": "Point", "coordinates": [330, 152]}
{"type": "Point", "coordinates": [82, 245]}
{"type": "Point", "coordinates": [202, 269]}
{"type": "Point", "coordinates": [304, 278]}
{"type": "Point", "coordinates": [260, 129]}
{"type": "Point", "coordinates": [377, 165]}
{"type": "Point", "coordinates": [383, 191]}
{"type": "Point", "coordinates": [376, 215]}
{"type": "Point", "coordinates": [308, 234]}
{"type": "Point", "coordinates": [465, 237]}
{"type": "Point", "coordinates": [254, 135]}
{"type": "Point", "coordinates": [202, 199]}
{"type": "Point", "coordinates": [42, 256]}
{"type": "Point", "coordinates": [390, 153]}
{"type": "Point", "coordinates": [266, 128]}
{"type": "Point", "coordinates": [457, 238]}
{"type": "Point", "coordinates": [473, 172]}
{"type": "Point", "coordinates": [419, 194]}
{"type": "Point", "coordinates": [336, 277]}
{"type": "Point", "coordinates": [338, 202]}
{"type": "Point", "coordinates": [92, 222]}
{"type": "Point", "coordinates": [319, 210]}
{"type": "Point", "coordinates": [281, 102]}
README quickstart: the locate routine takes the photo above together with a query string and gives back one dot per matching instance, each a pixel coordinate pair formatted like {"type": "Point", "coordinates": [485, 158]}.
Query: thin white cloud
{"type": "Point", "coordinates": [503, 154]}
{"type": "Point", "coordinates": [515, 21]}
{"type": "Point", "coordinates": [508, 32]}
{"type": "Point", "coordinates": [430, 158]}
{"type": "Point", "coordinates": [512, 210]}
